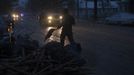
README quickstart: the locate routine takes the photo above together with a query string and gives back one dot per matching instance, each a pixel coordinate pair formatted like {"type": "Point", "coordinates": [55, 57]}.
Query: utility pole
{"type": "Point", "coordinates": [95, 10]}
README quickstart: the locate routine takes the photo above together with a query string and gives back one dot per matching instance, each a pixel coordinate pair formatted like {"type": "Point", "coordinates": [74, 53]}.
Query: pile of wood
{"type": "Point", "coordinates": [51, 59]}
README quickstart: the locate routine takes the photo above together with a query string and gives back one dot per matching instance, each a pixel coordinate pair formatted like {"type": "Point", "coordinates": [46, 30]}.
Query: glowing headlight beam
{"type": "Point", "coordinates": [13, 15]}
{"type": "Point", "coordinates": [50, 17]}
{"type": "Point", "coordinates": [61, 17]}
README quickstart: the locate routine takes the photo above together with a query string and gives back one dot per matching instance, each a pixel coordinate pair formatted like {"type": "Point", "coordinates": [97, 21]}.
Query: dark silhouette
{"type": "Point", "coordinates": [67, 22]}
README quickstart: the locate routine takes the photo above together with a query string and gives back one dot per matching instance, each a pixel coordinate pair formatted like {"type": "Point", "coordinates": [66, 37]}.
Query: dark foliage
{"type": "Point", "coordinates": [6, 5]}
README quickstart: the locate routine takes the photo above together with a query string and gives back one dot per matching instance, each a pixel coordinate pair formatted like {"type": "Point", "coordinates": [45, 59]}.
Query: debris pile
{"type": "Point", "coordinates": [51, 59]}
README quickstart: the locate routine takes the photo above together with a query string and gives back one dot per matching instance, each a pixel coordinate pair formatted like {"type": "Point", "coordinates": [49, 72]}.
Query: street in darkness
{"type": "Point", "coordinates": [66, 37]}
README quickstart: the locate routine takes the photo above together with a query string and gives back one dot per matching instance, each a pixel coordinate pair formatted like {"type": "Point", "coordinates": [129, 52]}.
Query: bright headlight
{"type": "Point", "coordinates": [60, 17]}
{"type": "Point", "coordinates": [50, 17]}
{"type": "Point", "coordinates": [13, 15]}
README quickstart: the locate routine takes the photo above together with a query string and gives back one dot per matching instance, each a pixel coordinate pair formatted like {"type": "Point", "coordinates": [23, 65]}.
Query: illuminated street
{"type": "Point", "coordinates": [108, 46]}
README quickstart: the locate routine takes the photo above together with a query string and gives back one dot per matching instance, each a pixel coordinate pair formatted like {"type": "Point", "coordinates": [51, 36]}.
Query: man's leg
{"type": "Point", "coordinates": [62, 38]}
{"type": "Point", "coordinates": [70, 37]}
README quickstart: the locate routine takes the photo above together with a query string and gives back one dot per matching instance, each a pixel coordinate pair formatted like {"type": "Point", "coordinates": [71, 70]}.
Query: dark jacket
{"type": "Point", "coordinates": [67, 23]}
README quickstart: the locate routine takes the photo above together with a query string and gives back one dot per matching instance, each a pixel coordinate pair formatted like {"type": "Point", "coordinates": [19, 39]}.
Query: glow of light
{"type": "Point", "coordinates": [49, 21]}
{"type": "Point", "coordinates": [17, 16]}
{"type": "Point", "coordinates": [21, 14]}
{"type": "Point", "coordinates": [13, 15]}
{"type": "Point", "coordinates": [61, 17]}
{"type": "Point", "coordinates": [50, 17]}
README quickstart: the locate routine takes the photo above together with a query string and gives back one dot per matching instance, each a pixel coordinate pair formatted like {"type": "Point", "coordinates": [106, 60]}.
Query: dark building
{"type": "Point", "coordinates": [131, 6]}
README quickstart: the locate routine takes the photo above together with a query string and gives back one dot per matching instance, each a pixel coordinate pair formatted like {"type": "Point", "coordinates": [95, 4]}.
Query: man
{"type": "Point", "coordinates": [66, 25]}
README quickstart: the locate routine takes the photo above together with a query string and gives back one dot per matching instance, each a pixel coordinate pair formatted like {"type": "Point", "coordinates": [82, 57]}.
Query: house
{"type": "Point", "coordinates": [87, 8]}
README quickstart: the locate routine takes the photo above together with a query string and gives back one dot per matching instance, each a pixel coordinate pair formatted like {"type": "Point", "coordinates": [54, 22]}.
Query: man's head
{"type": "Point", "coordinates": [65, 11]}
